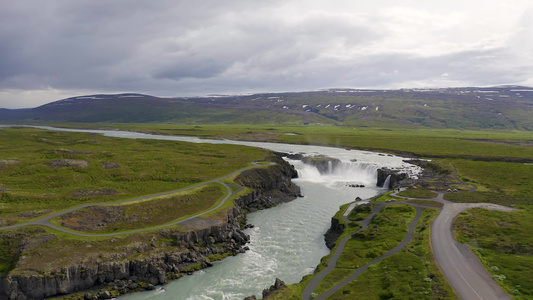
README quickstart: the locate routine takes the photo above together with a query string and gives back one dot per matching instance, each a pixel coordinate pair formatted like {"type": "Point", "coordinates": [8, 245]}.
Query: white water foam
{"type": "Point", "coordinates": [345, 172]}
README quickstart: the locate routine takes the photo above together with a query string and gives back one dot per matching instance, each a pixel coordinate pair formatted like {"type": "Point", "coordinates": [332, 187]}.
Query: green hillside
{"type": "Point", "coordinates": [507, 108]}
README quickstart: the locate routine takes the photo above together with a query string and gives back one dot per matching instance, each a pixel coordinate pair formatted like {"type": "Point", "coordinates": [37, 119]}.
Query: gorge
{"type": "Point", "coordinates": [287, 240]}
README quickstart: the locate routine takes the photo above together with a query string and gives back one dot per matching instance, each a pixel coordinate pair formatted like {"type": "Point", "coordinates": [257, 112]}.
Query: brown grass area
{"type": "Point", "coordinates": [143, 214]}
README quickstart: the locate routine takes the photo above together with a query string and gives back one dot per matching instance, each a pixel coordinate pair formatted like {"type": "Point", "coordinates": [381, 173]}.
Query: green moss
{"type": "Point", "coordinates": [360, 212]}
{"type": "Point", "coordinates": [191, 268]}
{"type": "Point", "coordinates": [385, 198]}
{"type": "Point", "coordinates": [418, 193]}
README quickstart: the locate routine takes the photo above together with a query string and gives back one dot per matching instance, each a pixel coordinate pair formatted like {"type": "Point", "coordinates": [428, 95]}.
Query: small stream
{"type": "Point", "coordinates": [287, 241]}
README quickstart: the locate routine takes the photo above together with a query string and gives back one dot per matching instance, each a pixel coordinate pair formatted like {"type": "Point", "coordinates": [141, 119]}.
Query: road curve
{"type": "Point", "coordinates": [467, 276]}
{"type": "Point", "coordinates": [45, 221]}
{"type": "Point", "coordinates": [464, 271]}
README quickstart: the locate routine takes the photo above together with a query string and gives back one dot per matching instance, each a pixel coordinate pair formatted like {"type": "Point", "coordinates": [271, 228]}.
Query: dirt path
{"type": "Point", "coordinates": [45, 221]}
{"type": "Point", "coordinates": [313, 284]}
{"type": "Point", "coordinates": [473, 187]}
{"type": "Point", "coordinates": [462, 268]}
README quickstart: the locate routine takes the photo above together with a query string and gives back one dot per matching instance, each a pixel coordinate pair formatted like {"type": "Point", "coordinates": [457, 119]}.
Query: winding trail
{"type": "Point", "coordinates": [473, 187]}
{"type": "Point", "coordinates": [464, 271]}
{"type": "Point", "coordinates": [45, 221]}
{"type": "Point", "coordinates": [313, 284]}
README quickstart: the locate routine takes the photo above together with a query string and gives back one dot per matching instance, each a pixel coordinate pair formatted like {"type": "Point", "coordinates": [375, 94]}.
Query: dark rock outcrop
{"type": "Point", "coordinates": [295, 156]}
{"type": "Point", "coordinates": [149, 265]}
{"type": "Point", "coordinates": [433, 176]}
{"type": "Point", "coordinates": [146, 264]}
{"type": "Point", "coordinates": [395, 177]}
{"type": "Point", "coordinates": [323, 164]}
{"type": "Point", "coordinates": [334, 232]}
{"type": "Point", "coordinates": [271, 186]}
{"type": "Point", "coordinates": [278, 285]}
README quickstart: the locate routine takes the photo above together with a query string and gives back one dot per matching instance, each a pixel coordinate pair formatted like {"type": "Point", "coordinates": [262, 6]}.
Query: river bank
{"type": "Point", "coordinates": [167, 255]}
{"type": "Point", "coordinates": [287, 241]}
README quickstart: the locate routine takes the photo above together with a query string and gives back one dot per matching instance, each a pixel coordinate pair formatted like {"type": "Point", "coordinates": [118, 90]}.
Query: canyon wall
{"type": "Point", "coordinates": [164, 255]}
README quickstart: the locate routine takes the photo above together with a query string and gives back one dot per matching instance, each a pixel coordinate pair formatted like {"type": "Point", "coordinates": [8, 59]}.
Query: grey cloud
{"type": "Point", "coordinates": [203, 68]}
{"type": "Point", "coordinates": [169, 47]}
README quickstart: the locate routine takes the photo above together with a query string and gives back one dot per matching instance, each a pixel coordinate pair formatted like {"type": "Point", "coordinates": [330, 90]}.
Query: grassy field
{"type": "Point", "coordinates": [489, 145]}
{"type": "Point", "coordinates": [494, 161]}
{"type": "Point", "coordinates": [408, 274]}
{"type": "Point", "coordinates": [385, 231]}
{"type": "Point", "coordinates": [360, 212]}
{"type": "Point", "coordinates": [504, 244]}
{"type": "Point", "coordinates": [142, 214]}
{"type": "Point", "coordinates": [418, 193]}
{"type": "Point", "coordinates": [504, 182]}
{"type": "Point", "coordinates": [59, 170]}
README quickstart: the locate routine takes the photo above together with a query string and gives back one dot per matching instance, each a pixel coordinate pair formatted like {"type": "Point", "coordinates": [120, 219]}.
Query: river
{"type": "Point", "coordinates": [287, 241]}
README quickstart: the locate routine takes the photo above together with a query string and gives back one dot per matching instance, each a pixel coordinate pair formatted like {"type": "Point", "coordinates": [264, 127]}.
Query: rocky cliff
{"type": "Point", "coordinates": [324, 164]}
{"type": "Point", "coordinates": [334, 232]}
{"type": "Point", "coordinates": [396, 177]}
{"type": "Point", "coordinates": [142, 264]}
{"type": "Point", "coordinates": [155, 258]}
{"type": "Point", "coordinates": [271, 185]}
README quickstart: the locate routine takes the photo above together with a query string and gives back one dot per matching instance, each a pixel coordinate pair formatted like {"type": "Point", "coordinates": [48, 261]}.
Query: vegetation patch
{"type": "Point", "coordinates": [48, 249]}
{"type": "Point", "coordinates": [110, 165]}
{"type": "Point", "coordinates": [385, 198]}
{"type": "Point", "coordinates": [61, 163]}
{"type": "Point", "coordinates": [504, 244]}
{"type": "Point", "coordinates": [401, 276]}
{"type": "Point", "coordinates": [437, 143]}
{"type": "Point", "coordinates": [6, 162]}
{"type": "Point", "coordinates": [506, 182]}
{"type": "Point", "coordinates": [14, 243]}
{"type": "Point", "coordinates": [409, 274]}
{"type": "Point", "coordinates": [385, 231]}
{"type": "Point", "coordinates": [360, 212]}
{"type": "Point", "coordinates": [91, 174]}
{"type": "Point", "coordinates": [142, 214]}
{"type": "Point", "coordinates": [90, 193]}
{"type": "Point", "coordinates": [420, 246]}
{"type": "Point", "coordinates": [418, 193]}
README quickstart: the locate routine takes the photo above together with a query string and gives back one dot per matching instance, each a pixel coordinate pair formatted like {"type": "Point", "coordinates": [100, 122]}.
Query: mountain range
{"type": "Point", "coordinates": [501, 107]}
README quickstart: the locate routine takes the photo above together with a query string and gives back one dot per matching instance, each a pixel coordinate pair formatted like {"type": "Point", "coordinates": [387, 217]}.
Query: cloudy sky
{"type": "Point", "coordinates": [56, 49]}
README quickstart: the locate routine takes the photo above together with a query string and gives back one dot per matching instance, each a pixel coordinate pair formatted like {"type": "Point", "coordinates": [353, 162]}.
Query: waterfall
{"type": "Point", "coordinates": [349, 172]}
{"type": "Point", "coordinates": [386, 184]}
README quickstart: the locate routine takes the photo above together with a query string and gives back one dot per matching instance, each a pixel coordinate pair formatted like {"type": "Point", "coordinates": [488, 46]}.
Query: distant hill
{"type": "Point", "coordinates": [503, 107]}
